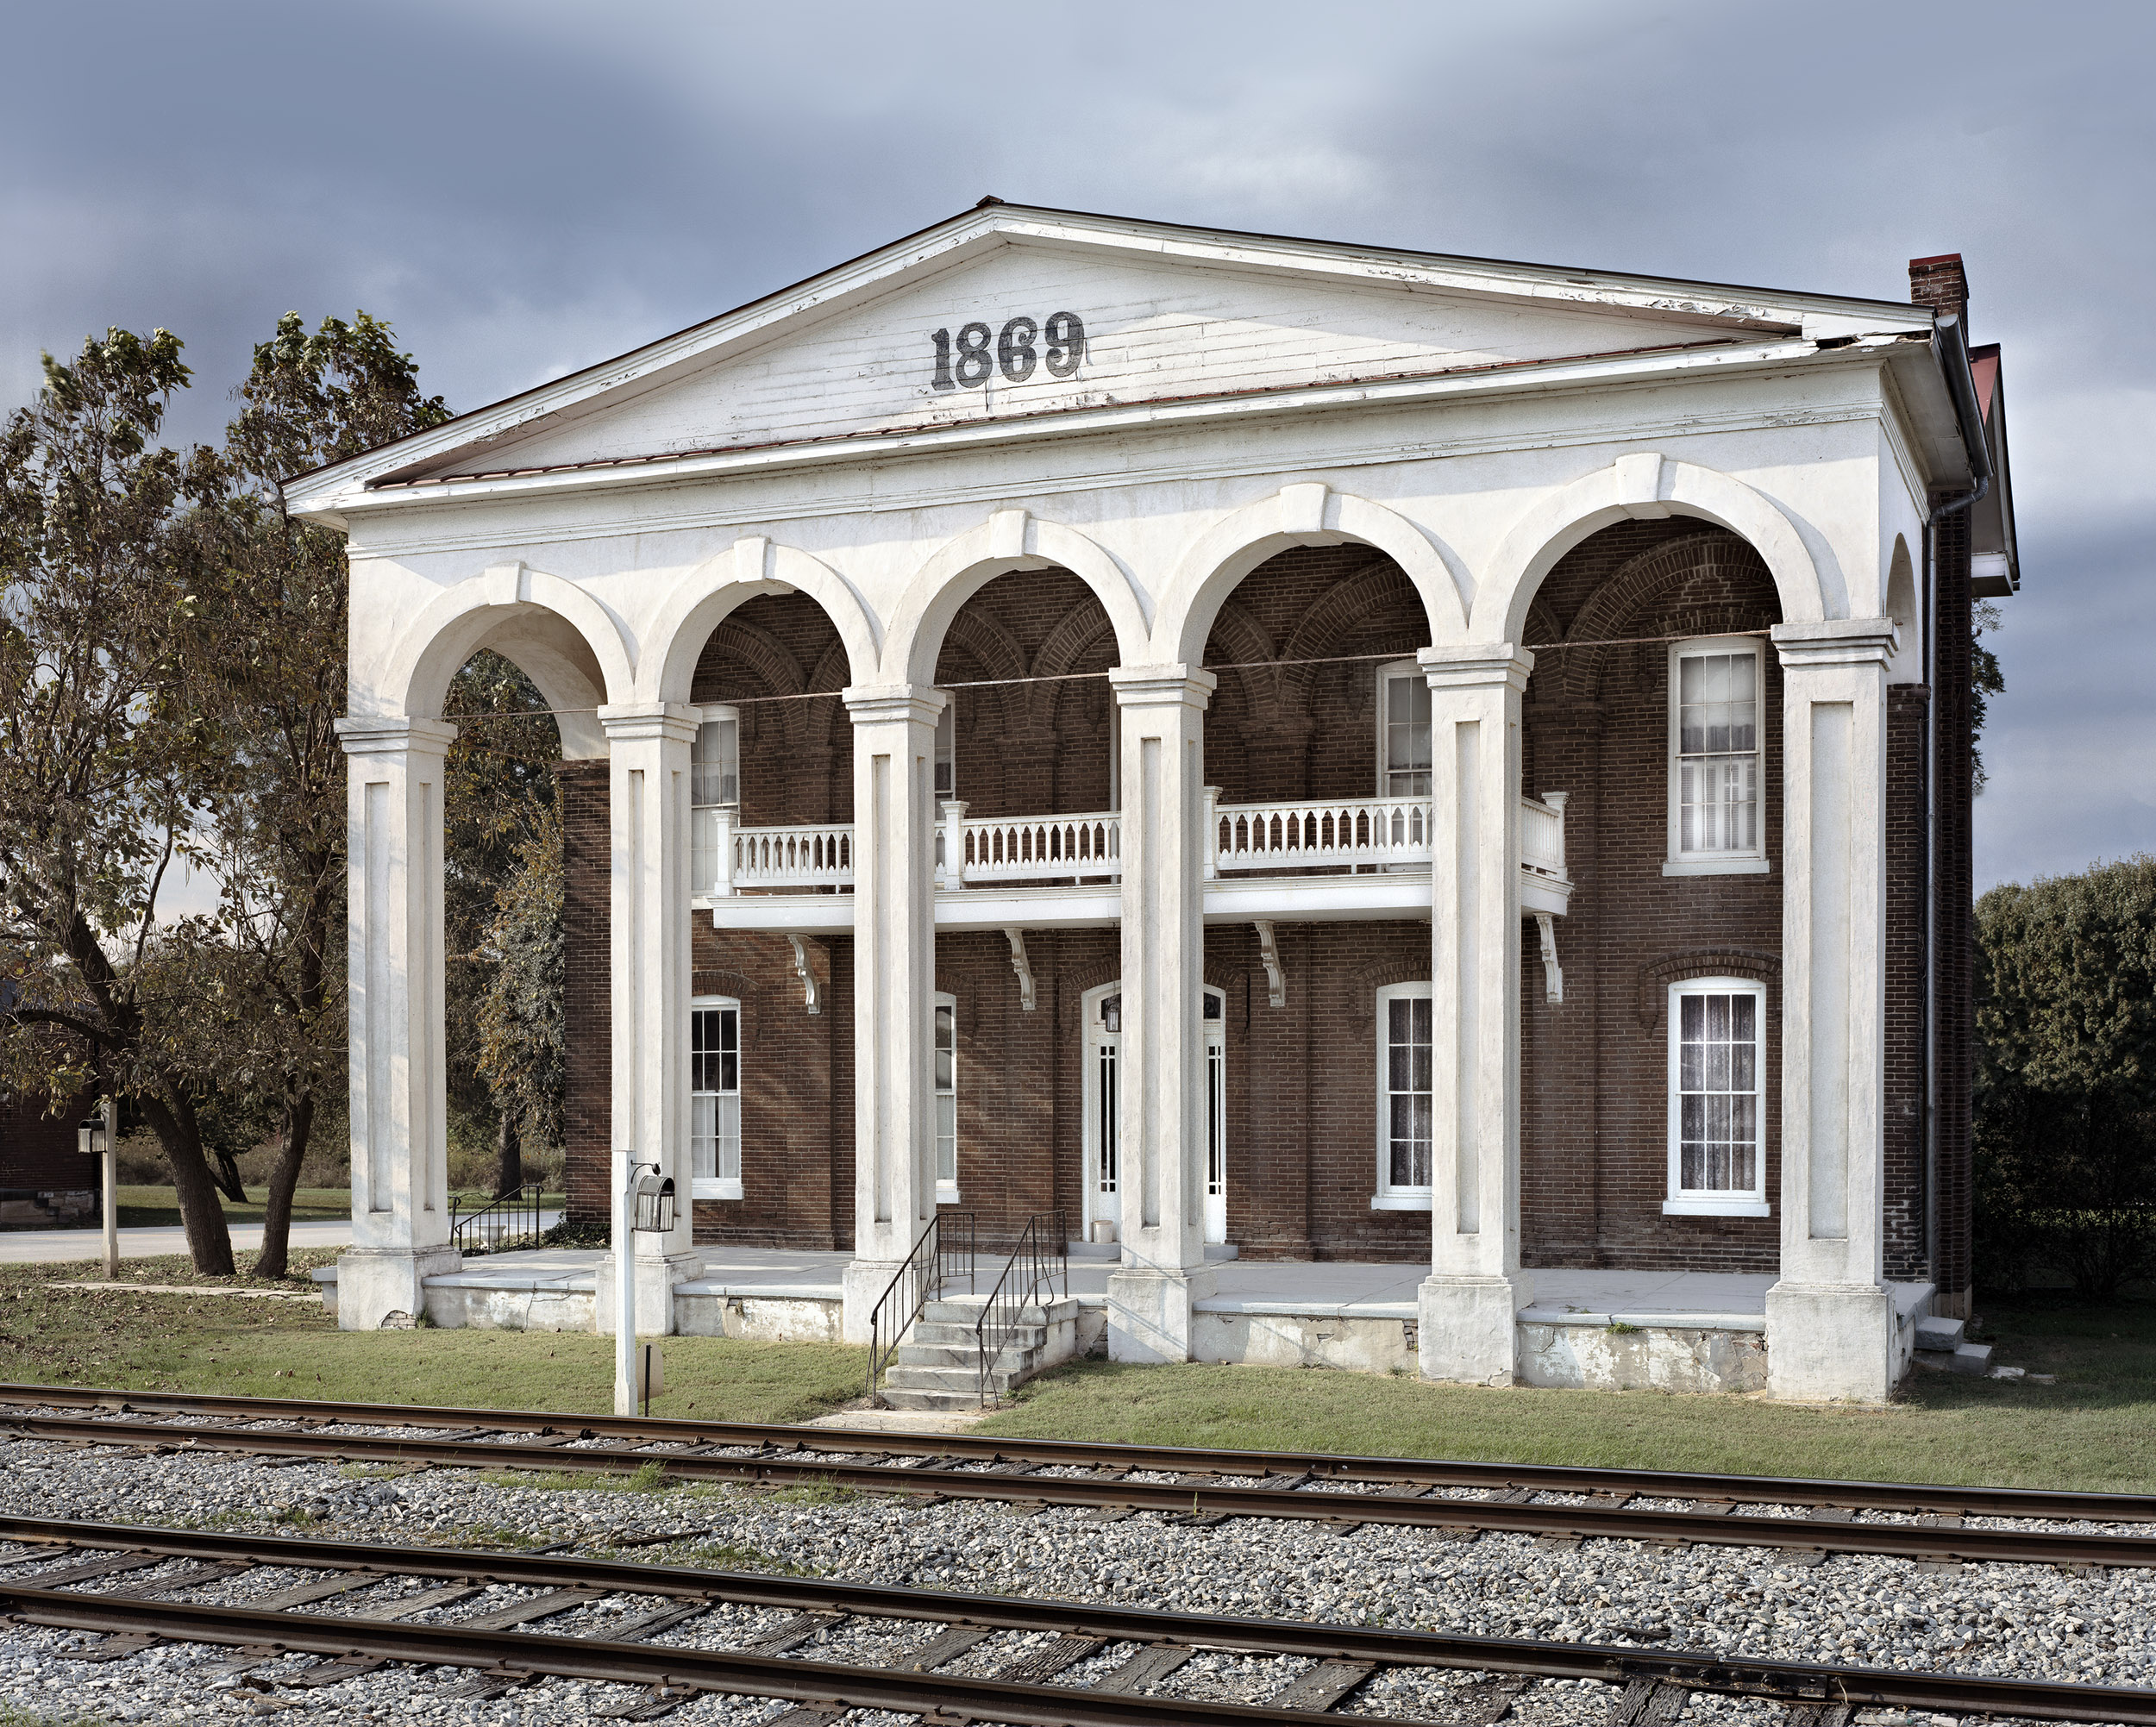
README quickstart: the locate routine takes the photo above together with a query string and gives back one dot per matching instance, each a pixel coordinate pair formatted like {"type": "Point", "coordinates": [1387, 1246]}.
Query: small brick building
{"type": "Point", "coordinates": [45, 1180]}
{"type": "Point", "coordinates": [1226, 744]}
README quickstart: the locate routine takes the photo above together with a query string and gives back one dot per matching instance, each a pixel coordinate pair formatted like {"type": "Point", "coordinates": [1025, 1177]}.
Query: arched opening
{"type": "Point", "coordinates": [1649, 1143]}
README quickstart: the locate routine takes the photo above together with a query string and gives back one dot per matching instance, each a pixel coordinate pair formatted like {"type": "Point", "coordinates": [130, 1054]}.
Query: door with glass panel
{"type": "Point", "coordinates": [1403, 750]}
{"type": "Point", "coordinates": [1103, 1109]}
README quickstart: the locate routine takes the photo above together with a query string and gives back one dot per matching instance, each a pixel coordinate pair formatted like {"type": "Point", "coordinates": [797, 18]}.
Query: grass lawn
{"type": "Point", "coordinates": [2096, 1429]}
{"type": "Point", "coordinates": [292, 1349]}
{"type": "Point", "coordinates": [148, 1207]}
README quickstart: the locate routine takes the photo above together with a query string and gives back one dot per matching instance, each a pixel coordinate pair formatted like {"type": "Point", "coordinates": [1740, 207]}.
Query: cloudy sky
{"type": "Point", "coordinates": [523, 188]}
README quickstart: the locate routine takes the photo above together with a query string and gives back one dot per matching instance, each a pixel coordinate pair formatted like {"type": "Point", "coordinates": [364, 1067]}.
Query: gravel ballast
{"type": "Point", "coordinates": [2028, 1622]}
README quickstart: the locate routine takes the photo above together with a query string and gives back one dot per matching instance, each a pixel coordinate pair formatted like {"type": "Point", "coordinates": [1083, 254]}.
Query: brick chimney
{"type": "Point", "coordinates": [1941, 283]}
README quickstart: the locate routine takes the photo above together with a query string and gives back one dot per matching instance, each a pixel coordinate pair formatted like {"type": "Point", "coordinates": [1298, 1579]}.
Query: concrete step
{"type": "Point", "coordinates": [899, 1397]}
{"type": "Point", "coordinates": [1971, 1358]}
{"type": "Point", "coordinates": [1939, 1334]}
{"type": "Point", "coordinates": [941, 1331]}
{"type": "Point", "coordinates": [916, 1377]}
{"type": "Point", "coordinates": [967, 1313]}
{"type": "Point", "coordinates": [961, 1356]}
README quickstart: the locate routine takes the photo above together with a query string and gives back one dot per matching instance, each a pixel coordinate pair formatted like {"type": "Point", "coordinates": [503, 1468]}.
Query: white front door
{"type": "Point", "coordinates": [1103, 1109]}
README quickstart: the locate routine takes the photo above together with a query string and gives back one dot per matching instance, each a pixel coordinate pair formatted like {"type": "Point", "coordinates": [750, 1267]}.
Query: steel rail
{"type": "Point", "coordinates": [1201, 1499]}
{"type": "Point", "coordinates": [2049, 1503]}
{"type": "Point", "coordinates": [1792, 1681]}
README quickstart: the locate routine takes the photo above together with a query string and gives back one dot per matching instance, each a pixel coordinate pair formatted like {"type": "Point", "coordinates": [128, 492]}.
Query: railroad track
{"type": "Point", "coordinates": [946, 1658]}
{"type": "Point", "coordinates": [1807, 1520]}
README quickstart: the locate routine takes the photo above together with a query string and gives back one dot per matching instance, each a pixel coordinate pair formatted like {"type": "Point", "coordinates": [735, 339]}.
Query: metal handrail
{"type": "Point", "coordinates": [513, 1216]}
{"type": "Point", "coordinates": [1031, 1266]}
{"type": "Point", "coordinates": [919, 1280]}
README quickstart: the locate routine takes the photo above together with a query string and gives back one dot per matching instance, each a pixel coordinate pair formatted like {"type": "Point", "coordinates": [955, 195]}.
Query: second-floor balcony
{"type": "Point", "coordinates": [1296, 859]}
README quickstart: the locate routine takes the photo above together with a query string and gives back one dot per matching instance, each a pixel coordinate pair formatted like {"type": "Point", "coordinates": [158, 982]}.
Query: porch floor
{"type": "Point", "coordinates": [1712, 1300]}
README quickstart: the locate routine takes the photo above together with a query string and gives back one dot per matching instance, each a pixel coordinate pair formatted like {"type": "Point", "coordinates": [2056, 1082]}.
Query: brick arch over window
{"type": "Point", "coordinates": [1640, 585]}
{"type": "Point", "coordinates": [1077, 638]}
{"type": "Point", "coordinates": [719, 981]}
{"type": "Point", "coordinates": [1238, 640]}
{"type": "Point", "coordinates": [1360, 986]}
{"type": "Point", "coordinates": [1082, 983]}
{"type": "Point", "coordinates": [1656, 976]}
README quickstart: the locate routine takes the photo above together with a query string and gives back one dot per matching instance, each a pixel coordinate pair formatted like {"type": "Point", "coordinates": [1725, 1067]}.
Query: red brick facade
{"type": "Point", "coordinates": [1301, 1085]}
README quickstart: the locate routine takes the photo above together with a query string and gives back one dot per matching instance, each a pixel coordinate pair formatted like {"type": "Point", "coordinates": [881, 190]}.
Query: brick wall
{"type": "Point", "coordinates": [1953, 917]}
{"type": "Point", "coordinates": [38, 1156]}
{"type": "Point", "coordinates": [1908, 1244]}
{"type": "Point", "coordinates": [1301, 1079]}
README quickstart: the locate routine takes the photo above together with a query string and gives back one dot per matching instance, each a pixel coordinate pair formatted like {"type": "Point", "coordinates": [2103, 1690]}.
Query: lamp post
{"type": "Point", "coordinates": [643, 1203]}
{"type": "Point", "coordinates": [97, 1138]}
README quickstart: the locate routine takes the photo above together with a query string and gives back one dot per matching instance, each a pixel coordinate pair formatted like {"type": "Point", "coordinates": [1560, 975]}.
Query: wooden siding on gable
{"type": "Point", "coordinates": [1153, 332]}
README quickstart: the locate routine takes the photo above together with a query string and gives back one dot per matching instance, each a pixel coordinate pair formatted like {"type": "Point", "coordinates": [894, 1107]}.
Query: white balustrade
{"type": "Point", "coordinates": [1542, 835]}
{"type": "Point", "coordinates": [1326, 834]}
{"type": "Point", "coordinates": [1322, 833]}
{"type": "Point", "coordinates": [1020, 848]}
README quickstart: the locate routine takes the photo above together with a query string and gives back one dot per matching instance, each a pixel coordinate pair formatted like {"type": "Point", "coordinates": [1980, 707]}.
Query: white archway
{"type": "Point", "coordinates": [751, 567]}
{"type": "Point", "coordinates": [566, 642]}
{"type": "Point", "coordinates": [1644, 487]}
{"type": "Point", "coordinates": [1009, 539]}
{"type": "Point", "coordinates": [1306, 514]}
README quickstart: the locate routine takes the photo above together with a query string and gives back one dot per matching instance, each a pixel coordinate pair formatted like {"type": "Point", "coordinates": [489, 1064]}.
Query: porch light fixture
{"type": "Point", "coordinates": [91, 1139]}
{"type": "Point", "coordinates": [654, 1205]}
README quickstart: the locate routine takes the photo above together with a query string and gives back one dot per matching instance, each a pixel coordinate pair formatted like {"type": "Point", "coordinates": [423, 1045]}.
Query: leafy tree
{"type": "Point", "coordinates": [100, 756]}
{"type": "Point", "coordinates": [264, 646]}
{"type": "Point", "coordinates": [523, 1031]}
{"type": "Point", "coordinates": [1985, 681]}
{"type": "Point", "coordinates": [2065, 1117]}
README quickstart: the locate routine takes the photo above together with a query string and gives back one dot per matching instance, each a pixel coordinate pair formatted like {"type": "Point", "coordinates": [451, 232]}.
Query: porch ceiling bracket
{"type": "Point", "coordinates": [806, 973]}
{"type": "Point", "coordinates": [1552, 973]}
{"type": "Point", "coordinates": [1022, 965]}
{"type": "Point", "coordinates": [1268, 951]}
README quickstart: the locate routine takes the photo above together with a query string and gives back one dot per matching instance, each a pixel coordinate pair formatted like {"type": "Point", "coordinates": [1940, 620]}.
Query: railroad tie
{"type": "Point", "coordinates": [320, 1590]}
{"type": "Point", "coordinates": [1148, 1667]}
{"type": "Point", "coordinates": [663, 1699]}
{"type": "Point", "coordinates": [664, 1619]}
{"type": "Point", "coordinates": [443, 1595]}
{"type": "Point", "coordinates": [489, 1683]}
{"type": "Point", "coordinates": [1486, 1702]}
{"type": "Point", "coordinates": [524, 1612]}
{"type": "Point", "coordinates": [105, 1565]}
{"type": "Point", "coordinates": [1817, 1715]}
{"type": "Point", "coordinates": [1322, 1687]}
{"type": "Point", "coordinates": [1648, 1703]}
{"type": "Point", "coordinates": [793, 1634]}
{"type": "Point", "coordinates": [946, 1646]}
{"type": "Point", "coordinates": [1399, 1490]}
{"type": "Point", "coordinates": [186, 1579]}
{"type": "Point", "coordinates": [1051, 1658]}
{"type": "Point", "coordinates": [1946, 1562]}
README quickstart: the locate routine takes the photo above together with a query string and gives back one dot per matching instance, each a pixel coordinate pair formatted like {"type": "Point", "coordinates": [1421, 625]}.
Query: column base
{"type": "Point", "coordinates": [1468, 1328]}
{"type": "Point", "coordinates": [373, 1283]}
{"type": "Point", "coordinates": [655, 1278]}
{"type": "Point", "coordinates": [1830, 1342]}
{"type": "Point", "coordinates": [1151, 1311]}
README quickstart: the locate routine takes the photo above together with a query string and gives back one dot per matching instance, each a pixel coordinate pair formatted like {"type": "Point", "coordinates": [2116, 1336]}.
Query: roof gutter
{"type": "Point", "coordinates": [1950, 347]}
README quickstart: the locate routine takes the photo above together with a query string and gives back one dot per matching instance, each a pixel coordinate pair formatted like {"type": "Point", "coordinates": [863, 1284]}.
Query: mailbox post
{"type": "Point", "coordinates": [643, 1203]}
{"type": "Point", "coordinates": [97, 1137]}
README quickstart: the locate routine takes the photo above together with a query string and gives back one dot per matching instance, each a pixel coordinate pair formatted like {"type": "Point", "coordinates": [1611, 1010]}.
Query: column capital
{"type": "Point", "coordinates": [653, 722]}
{"type": "Point", "coordinates": [869, 703]}
{"type": "Point", "coordinates": [394, 735]}
{"type": "Point", "coordinates": [1838, 642]}
{"type": "Point", "coordinates": [1144, 686]}
{"type": "Point", "coordinates": [1475, 664]}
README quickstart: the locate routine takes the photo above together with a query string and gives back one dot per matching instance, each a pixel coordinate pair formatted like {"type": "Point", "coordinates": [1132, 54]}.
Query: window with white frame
{"type": "Point", "coordinates": [714, 784]}
{"type": "Point", "coordinates": [947, 747]}
{"type": "Point", "coordinates": [715, 1097]}
{"type": "Point", "coordinates": [1406, 1135]}
{"type": "Point", "coordinates": [1403, 730]}
{"type": "Point", "coordinates": [1718, 1159]}
{"type": "Point", "coordinates": [946, 1098]}
{"type": "Point", "coordinates": [1715, 820]}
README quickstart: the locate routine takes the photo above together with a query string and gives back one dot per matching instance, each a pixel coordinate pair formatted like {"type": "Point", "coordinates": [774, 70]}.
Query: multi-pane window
{"type": "Point", "coordinates": [1104, 1052]}
{"type": "Point", "coordinates": [947, 749]}
{"type": "Point", "coordinates": [1715, 727]}
{"type": "Point", "coordinates": [946, 1097]}
{"type": "Point", "coordinates": [1717, 1049]}
{"type": "Point", "coordinates": [1403, 731]}
{"type": "Point", "coordinates": [714, 784]}
{"type": "Point", "coordinates": [715, 1097]}
{"type": "Point", "coordinates": [1405, 1122]}
{"type": "Point", "coordinates": [1215, 1017]}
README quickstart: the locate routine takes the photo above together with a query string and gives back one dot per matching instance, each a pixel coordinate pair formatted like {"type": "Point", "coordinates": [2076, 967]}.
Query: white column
{"type": "Point", "coordinates": [894, 984]}
{"type": "Point", "coordinates": [1831, 1331]}
{"type": "Point", "coordinates": [1469, 1304]}
{"type": "Point", "coordinates": [648, 808]}
{"type": "Point", "coordinates": [1163, 1271]}
{"type": "Point", "coordinates": [400, 1179]}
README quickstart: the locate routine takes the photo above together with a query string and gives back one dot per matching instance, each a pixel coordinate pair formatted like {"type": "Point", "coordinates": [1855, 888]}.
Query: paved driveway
{"type": "Point", "coordinates": [55, 1246]}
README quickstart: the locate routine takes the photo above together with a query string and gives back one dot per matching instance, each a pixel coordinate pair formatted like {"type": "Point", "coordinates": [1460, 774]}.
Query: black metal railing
{"type": "Point", "coordinates": [945, 1251]}
{"type": "Point", "coordinates": [1041, 1260]}
{"type": "Point", "coordinates": [508, 1220]}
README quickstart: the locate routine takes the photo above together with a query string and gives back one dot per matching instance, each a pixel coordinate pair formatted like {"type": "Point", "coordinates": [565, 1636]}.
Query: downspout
{"type": "Point", "coordinates": [1949, 347]}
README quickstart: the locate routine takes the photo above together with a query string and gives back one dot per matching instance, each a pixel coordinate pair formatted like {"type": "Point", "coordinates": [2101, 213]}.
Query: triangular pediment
{"type": "Point", "coordinates": [1009, 315]}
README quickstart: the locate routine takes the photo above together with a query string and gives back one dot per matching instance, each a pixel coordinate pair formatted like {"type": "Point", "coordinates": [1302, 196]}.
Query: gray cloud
{"type": "Point", "coordinates": [524, 188]}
